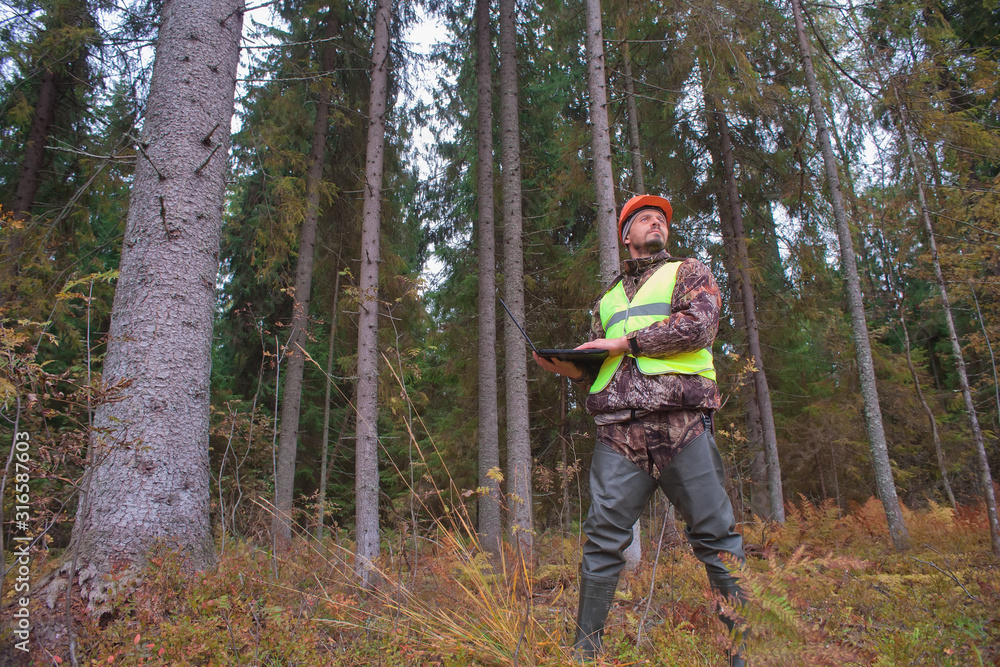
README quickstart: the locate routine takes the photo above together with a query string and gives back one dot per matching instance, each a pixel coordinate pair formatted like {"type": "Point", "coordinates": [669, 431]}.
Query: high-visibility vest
{"type": "Point", "coordinates": [621, 316]}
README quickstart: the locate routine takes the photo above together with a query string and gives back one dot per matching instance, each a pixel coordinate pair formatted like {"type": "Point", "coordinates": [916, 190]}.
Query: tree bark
{"type": "Point", "coordinates": [28, 181]}
{"type": "Point", "coordinates": [866, 369]}
{"type": "Point", "coordinates": [819, 471]}
{"type": "Point", "coordinates": [927, 410]}
{"type": "Point", "coordinates": [489, 513]}
{"type": "Point", "coordinates": [366, 466]}
{"type": "Point", "coordinates": [989, 346]}
{"type": "Point", "coordinates": [638, 172]}
{"type": "Point", "coordinates": [956, 347]}
{"type": "Point", "coordinates": [323, 471]}
{"type": "Point", "coordinates": [564, 454]}
{"type": "Point", "coordinates": [633, 554]}
{"type": "Point", "coordinates": [761, 390]}
{"type": "Point", "coordinates": [518, 441]}
{"type": "Point", "coordinates": [288, 440]}
{"type": "Point", "coordinates": [150, 472]}
{"type": "Point", "coordinates": [607, 224]}
{"type": "Point", "coordinates": [760, 495]}
{"type": "Point", "coordinates": [34, 149]}
{"type": "Point", "coordinates": [604, 185]}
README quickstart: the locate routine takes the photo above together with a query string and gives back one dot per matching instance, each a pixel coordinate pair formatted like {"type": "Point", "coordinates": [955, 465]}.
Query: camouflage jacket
{"type": "Point", "coordinates": [691, 326]}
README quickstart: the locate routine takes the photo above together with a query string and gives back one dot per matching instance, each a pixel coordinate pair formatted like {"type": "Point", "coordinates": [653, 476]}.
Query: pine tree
{"type": "Point", "coordinates": [519, 463]}
{"type": "Point", "coordinates": [284, 482]}
{"type": "Point", "coordinates": [489, 514]}
{"type": "Point", "coordinates": [366, 477]}
{"type": "Point", "coordinates": [873, 413]}
{"type": "Point", "coordinates": [607, 228]}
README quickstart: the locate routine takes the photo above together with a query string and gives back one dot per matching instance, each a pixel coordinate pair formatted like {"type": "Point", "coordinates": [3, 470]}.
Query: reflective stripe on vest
{"type": "Point", "coordinates": [619, 317]}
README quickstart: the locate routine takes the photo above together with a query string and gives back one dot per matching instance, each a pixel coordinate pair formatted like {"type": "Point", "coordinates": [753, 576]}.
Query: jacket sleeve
{"type": "Point", "coordinates": [694, 315]}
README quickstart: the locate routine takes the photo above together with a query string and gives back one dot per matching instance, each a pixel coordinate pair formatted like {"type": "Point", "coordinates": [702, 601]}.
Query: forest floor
{"type": "Point", "coordinates": [825, 590]}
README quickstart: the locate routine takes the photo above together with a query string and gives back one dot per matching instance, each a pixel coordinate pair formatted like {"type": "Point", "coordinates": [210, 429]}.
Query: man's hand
{"type": "Point", "coordinates": [614, 346]}
{"type": "Point", "coordinates": [567, 368]}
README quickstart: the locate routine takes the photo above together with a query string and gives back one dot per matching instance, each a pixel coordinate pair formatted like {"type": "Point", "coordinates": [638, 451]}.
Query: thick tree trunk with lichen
{"type": "Point", "coordinates": [150, 476]}
{"type": "Point", "coordinates": [866, 368]}
{"type": "Point", "coordinates": [489, 513]}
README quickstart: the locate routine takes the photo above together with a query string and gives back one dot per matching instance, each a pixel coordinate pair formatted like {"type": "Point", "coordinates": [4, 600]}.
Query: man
{"type": "Point", "coordinates": [652, 401]}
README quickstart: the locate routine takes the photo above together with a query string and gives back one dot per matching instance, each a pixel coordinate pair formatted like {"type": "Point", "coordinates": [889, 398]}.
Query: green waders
{"type": "Point", "coordinates": [619, 490]}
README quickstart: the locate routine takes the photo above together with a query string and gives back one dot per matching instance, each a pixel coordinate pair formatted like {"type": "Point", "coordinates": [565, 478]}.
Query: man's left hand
{"type": "Point", "coordinates": [614, 346]}
{"type": "Point", "coordinates": [566, 368]}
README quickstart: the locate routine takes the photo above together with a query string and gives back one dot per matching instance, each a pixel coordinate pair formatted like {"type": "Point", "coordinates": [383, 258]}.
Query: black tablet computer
{"type": "Point", "coordinates": [592, 356]}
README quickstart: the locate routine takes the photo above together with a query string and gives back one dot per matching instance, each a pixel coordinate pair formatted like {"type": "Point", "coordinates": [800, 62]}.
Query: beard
{"type": "Point", "coordinates": [652, 244]}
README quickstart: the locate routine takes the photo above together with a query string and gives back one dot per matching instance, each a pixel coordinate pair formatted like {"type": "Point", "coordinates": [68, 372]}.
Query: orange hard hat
{"type": "Point", "coordinates": [635, 204]}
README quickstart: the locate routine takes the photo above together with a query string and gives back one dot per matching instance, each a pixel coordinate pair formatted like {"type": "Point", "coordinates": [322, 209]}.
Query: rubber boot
{"type": "Point", "coordinates": [596, 596]}
{"type": "Point", "coordinates": [695, 482]}
{"type": "Point", "coordinates": [737, 656]}
{"type": "Point", "coordinates": [728, 588]}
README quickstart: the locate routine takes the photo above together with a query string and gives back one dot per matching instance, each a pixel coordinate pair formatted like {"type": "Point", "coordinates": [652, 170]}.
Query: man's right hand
{"type": "Point", "coordinates": [567, 368]}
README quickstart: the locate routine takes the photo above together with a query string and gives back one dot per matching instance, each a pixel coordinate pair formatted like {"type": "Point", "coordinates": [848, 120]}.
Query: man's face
{"type": "Point", "coordinates": [648, 233]}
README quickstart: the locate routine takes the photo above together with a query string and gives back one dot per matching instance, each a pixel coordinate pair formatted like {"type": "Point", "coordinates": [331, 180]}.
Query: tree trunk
{"type": "Point", "coordinates": [927, 410]}
{"type": "Point", "coordinates": [866, 369]}
{"type": "Point", "coordinates": [564, 454]}
{"type": "Point", "coordinates": [836, 481]}
{"type": "Point", "coordinates": [323, 473]}
{"type": "Point", "coordinates": [604, 185]}
{"type": "Point", "coordinates": [519, 498]}
{"type": "Point", "coordinates": [489, 514]}
{"type": "Point", "coordinates": [607, 227]}
{"type": "Point", "coordinates": [34, 149]}
{"type": "Point", "coordinates": [366, 467]}
{"type": "Point", "coordinates": [288, 440]}
{"type": "Point", "coordinates": [150, 476]}
{"type": "Point", "coordinates": [989, 346]}
{"type": "Point", "coordinates": [638, 173]}
{"type": "Point", "coordinates": [956, 346]}
{"type": "Point", "coordinates": [763, 393]}
{"type": "Point", "coordinates": [819, 471]}
{"type": "Point", "coordinates": [760, 495]}
{"type": "Point", "coordinates": [671, 535]}
{"type": "Point", "coordinates": [863, 255]}
{"type": "Point", "coordinates": [28, 181]}
{"type": "Point", "coordinates": [607, 224]}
